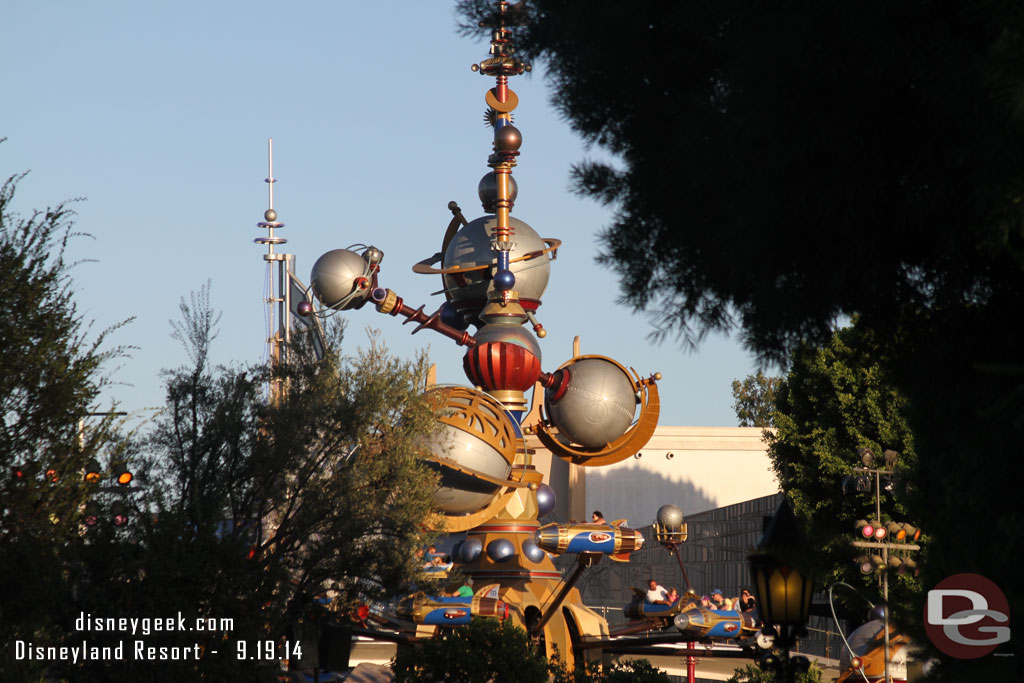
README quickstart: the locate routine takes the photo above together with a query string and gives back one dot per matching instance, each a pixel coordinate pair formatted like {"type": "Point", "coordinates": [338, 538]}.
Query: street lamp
{"type": "Point", "coordinates": [783, 584]}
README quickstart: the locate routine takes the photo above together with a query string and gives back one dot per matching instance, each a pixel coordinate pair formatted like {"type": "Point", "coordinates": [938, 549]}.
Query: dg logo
{"type": "Point", "coordinates": [967, 616]}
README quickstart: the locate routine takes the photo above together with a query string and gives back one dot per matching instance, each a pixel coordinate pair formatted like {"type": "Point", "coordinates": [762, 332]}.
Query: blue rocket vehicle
{"type": "Point", "coordinates": [613, 540]}
{"type": "Point", "coordinates": [454, 611]}
{"type": "Point", "coordinates": [702, 622]}
{"type": "Point", "coordinates": [692, 620]}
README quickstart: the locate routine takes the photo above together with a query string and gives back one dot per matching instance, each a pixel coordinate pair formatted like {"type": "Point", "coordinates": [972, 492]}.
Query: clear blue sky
{"type": "Point", "coordinates": [158, 114]}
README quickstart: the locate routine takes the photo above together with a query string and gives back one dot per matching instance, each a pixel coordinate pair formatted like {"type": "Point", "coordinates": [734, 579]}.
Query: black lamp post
{"type": "Point", "coordinates": [783, 585]}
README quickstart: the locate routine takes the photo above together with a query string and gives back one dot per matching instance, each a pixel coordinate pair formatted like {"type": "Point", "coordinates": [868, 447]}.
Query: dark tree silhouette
{"type": "Point", "coordinates": [782, 165]}
{"type": "Point", "coordinates": [51, 374]}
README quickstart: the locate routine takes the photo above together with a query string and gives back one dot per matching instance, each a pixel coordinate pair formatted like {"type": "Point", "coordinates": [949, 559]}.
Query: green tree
{"type": "Point", "coordinates": [620, 671]}
{"type": "Point", "coordinates": [634, 671]}
{"type": "Point", "coordinates": [834, 401]}
{"type": "Point", "coordinates": [754, 399]}
{"type": "Point", "coordinates": [779, 166]}
{"type": "Point", "coordinates": [485, 651]}
{"type": "Point", "coordinates": [257, 508]}
{"type": "Point", "coordinates": [51, 375]}
{"type": "Point", "coordinates": [752, 674]}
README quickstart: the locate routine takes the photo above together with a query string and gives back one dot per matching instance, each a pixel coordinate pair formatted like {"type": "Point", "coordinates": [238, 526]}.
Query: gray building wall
{"type": "Point", "coordinates": [714, 556]}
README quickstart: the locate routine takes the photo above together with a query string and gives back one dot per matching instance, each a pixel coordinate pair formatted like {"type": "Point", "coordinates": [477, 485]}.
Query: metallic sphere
{"type": "Point", "coordinates": [670, 517]}
{"type": "Point", "coordinates": [505, 357]}
{"type": "Point", "coordinates": [450, 316]}
{"type": "Point", "coordinates": [335, 279]}
{"type": "Point", "coordinates": [545, 500]}
{"type": "Point", "coordinates": [512, 334]}
{"type": "Point", "coordinates": [504, 280]}
{"type": "Point", "coordinates": [500, 550]}
{"type": "Point", "coordinates": [598, 404]}
{"type": "Point", "coordinates": [470, 549]}
{"type": "Point", "coordinates": [270, 215]}
{"type": "Point", "coordinates": [487, 190]}
{"type": "Point", "coordinates": [877, 611]}
{"type": "Point", "coordinates": [477, 434]}
{"type": "Point", "coordinates": [373, 255]}
{"type": "Point", "coordinates": [471, 247]}
{"type": "Point", "coordinates": [507, 138]}
{"type": "Point", "coordinates": [532, 551]}
{"type": "Point", "coordinates": [454, 552]}
{"type": "Point", "coordinates": [305, 309]}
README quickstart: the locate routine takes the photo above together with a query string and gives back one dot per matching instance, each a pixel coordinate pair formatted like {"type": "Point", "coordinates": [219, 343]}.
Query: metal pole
{"type": "Point", "coordinates": [691, 664]}
{"type": "Point", "coordinates": [787, 663]}
{"type": "Point", "coordinates": [885, 578]}
{"type": "Point", "coordinates": [583, 562]}
{"type": "Point", "coordinates": [674, 550]}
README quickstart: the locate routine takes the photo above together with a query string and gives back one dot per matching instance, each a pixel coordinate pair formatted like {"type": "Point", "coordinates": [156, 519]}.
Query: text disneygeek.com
{"type": "Point", "coordinates": [129, 649]}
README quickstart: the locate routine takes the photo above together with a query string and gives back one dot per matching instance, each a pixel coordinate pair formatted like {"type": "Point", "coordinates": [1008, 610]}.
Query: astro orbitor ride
{"type": "Point", "coordinates": [494, 271]}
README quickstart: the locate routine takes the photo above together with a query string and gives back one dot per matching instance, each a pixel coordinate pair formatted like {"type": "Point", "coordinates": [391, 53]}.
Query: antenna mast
{"type": "Point", "coordinates": [279, 266]}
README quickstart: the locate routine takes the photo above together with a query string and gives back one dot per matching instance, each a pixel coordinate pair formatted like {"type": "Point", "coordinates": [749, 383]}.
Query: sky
{"type": "Point", "coordinates": [158, 115]}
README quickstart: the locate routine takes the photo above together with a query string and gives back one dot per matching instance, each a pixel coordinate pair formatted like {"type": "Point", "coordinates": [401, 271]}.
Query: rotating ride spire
{"type": "Point", "coordinates": [494, 271]}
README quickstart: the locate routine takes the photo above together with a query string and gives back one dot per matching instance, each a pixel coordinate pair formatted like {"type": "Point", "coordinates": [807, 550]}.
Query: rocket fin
{"type": "Point", "coordinates": [483, 592]}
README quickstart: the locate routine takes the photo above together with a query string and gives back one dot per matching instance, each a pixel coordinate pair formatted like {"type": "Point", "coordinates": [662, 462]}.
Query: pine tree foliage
{"type": "Point", "coordinates": [777, 166]}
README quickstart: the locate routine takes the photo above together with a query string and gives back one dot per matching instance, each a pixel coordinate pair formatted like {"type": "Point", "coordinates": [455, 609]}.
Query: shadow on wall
{"type": "Point", "coordinates": [635, 494]}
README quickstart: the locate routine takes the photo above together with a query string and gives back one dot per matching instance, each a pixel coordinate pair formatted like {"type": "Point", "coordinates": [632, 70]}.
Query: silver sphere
{"type": "Point", "coordinates": [461, 494]}
{"type": "Point", "coordinates": [500, 550]}
{"type": "Point", "coordinates": [487, 190]}
{"type": "Point", "coordinates": [373, 255]}
{"type": "Point", "coordinates": [670, 517]}
{"type": "Point", "coordinates": [598, 405]}
{"type": "Point", "coordinates": [471, 246]}
{"type": "Point", "coordinates": [470, 549]}
{"type": "Point", "coordinates": [474, 432]}
{"type": "Point", "coordinates": [270, 215]}
{"type": "Point", "coordinates": [545, 500]}
{"type": "Point", "coordinates": [532, 551]}
{"type": "Point", "coordinates": [334, 277]}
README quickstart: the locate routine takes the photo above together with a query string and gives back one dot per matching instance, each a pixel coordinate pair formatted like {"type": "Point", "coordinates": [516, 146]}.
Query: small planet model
{"type": "Point", "coordinates": [597, 404]}
{"type": "Point", "coordinates": [471, 247]}
{"type": "Point", "coordinates": [477, 438]}
{"type": "Point", "coordinates": [341, 279]}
